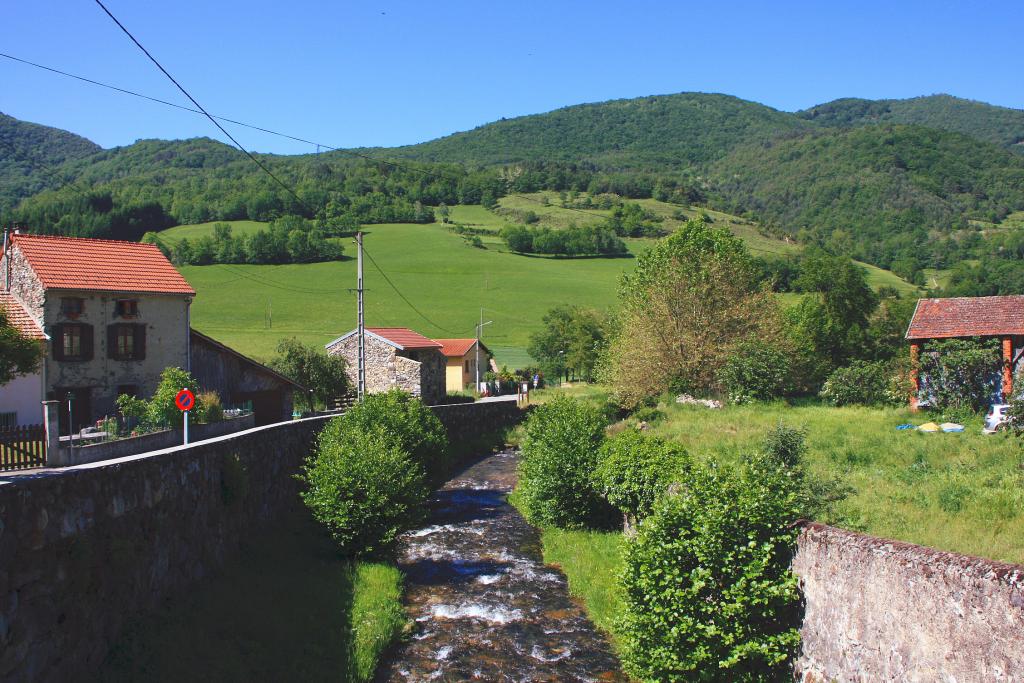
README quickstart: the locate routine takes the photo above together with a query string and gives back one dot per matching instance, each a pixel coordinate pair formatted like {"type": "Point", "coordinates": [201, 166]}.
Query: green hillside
{"type": "Point", "coordinates": [891, 190]}
{"type": "Point", "coordinates": [28, 152]}
{"type": "Point", "coordinates": [252, 307]}
{"type": "Point", "coordinates": [664, 131]}
{"type": "Point", "coordinates": [998, 125]}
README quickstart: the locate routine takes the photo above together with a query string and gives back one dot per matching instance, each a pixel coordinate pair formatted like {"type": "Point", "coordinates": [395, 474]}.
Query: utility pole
{"type": "Point", "coordinates": [361, 333]}
{"type": "Point", "coordinates": [479, 330]}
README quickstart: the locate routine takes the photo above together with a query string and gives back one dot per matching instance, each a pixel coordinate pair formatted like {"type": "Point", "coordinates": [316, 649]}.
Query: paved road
{"type": "Point", "coordinates": [485, 607]}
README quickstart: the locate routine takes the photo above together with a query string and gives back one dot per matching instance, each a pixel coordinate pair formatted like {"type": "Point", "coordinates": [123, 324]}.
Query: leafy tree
{"type": "Point", "coordinates": [18, 354]}
{"type": "Point", "coordinates": [961, 375]}
{"type": "Point", "coordinates": [572, 339]}
{"type": "Point", "coordinates": [323, 374]}
{"type": "Point", "coordinates": [690, 300]}
{"type": "Point", "coordinates": [756, 371]}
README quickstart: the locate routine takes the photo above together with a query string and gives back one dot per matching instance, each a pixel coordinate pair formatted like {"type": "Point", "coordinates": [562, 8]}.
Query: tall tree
{"type": "Point", "coordinates": [18, 354]}
{"type": "Point", "coordinates": [572, 340]}
{"type": "Point", "coordinates": [308, 365]}
{"type": "Point", "coordinates": [690, 301]}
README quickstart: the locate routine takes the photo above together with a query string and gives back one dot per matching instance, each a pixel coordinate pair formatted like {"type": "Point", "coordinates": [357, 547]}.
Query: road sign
{"type": "Point", "coordinates": [185, 400]}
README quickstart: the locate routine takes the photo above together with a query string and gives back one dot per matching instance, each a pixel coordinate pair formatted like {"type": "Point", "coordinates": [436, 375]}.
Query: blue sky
{"type": "Point", "coordinates": [388, 73]}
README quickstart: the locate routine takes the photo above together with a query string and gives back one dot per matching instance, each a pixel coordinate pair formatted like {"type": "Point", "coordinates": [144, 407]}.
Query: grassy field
{"type": "Point", "coordinates": [286, 609]}
{"type": "Point", "coordinates": [251, 308]}
{"type": "Point", "coordinates": [958, 492]}
{"type": "Point", "coordinates": [173, 235]}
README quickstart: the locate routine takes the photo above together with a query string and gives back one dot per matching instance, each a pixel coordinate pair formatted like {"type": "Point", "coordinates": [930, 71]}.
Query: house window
{"type": "Point", "coordinates": [72, 342]}
{"type": "Point", "coordinates": [126, 342]}
{"type": "Point", "coordinates": [127, 308]}
{"type": "Point", "coordinates": [72, 306]}
{"type": "Point", "coordinates": [467, 366]}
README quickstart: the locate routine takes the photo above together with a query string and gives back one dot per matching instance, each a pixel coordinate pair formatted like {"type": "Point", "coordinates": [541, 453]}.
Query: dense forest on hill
{"type": "Point", "coordinates": [660, 132]}
{"type": "Point", "coordinates": [846, 175]}
{"type": "Point", "coordinates": [882, 194]}
{"type": "Point", "coordinates": [998, 125]}
{"type": "Point", "coordinates": [28, 152]}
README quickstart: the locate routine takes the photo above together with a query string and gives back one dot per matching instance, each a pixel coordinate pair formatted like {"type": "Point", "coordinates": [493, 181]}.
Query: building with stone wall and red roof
{"type": "Point", "coordinates": [396, 358]}
{"type": "Point", "coordinates": [114, 315]}
{"type": "Point", "coordinates": [984, 317]}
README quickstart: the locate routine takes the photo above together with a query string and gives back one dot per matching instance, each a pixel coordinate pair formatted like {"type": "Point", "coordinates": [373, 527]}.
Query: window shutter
{"type": "Point", "coordinates": [140, 342]}
{"type": "Point", "coordinates": [86, 342]}
{"type": "Point", "coordinates": [57, 341]}
{"type": "Point", "coordinates": [112, 341]}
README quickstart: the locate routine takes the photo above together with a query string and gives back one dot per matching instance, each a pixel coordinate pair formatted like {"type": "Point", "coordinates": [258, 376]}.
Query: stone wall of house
{"type": "Point", "coordinates": [880, 610]}
{"type": "Point", "coordinates": [433, 383]}
{"type": "Point", "coordinates": [24, 284]}
{"type": "Point", "coordinates": [419, 372]}
{"type": "Point", "coordinates": [86, 549]}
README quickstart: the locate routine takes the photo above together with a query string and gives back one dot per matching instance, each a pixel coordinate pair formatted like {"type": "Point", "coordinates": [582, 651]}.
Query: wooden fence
{"type": "Point", "coordinates": [22, 448]}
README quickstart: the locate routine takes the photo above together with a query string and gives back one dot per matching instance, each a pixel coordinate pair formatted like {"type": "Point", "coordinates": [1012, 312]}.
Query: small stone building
{"type": "Point", "coordinates": [1000, 317]}
{"type": "Point", "coordinates": [396, 358]}
{"type": "Point", "coordinates": [115, 313]}
{"type": "Point", "coordinates": [238, 379]}
{"type": "Point", "coordinates": [461, 357]}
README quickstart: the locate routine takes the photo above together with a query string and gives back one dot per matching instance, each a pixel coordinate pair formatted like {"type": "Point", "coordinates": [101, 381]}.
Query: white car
{"type": "Point", "coordinates": [996, 420]}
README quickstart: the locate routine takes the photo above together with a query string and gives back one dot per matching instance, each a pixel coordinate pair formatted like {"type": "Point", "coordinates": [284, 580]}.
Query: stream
{"type": "Point", "coordinates": [484, 605]}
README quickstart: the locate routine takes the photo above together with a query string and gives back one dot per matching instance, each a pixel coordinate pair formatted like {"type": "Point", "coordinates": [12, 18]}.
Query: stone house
{"type": "Point", "coordinates": [461, 358]}
{"type": "Point", "coordinates": [20, 399]}
{"type": "Point", "coordinates": [396, 358]}
{"type": "Point", "coordinates": [998, 317]}
{"type": "Point", "coordinates": [115, 314]}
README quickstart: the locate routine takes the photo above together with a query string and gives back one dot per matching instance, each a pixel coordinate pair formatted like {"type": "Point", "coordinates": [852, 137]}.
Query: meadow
{"type": "Point", "coordinates": [445, 282]}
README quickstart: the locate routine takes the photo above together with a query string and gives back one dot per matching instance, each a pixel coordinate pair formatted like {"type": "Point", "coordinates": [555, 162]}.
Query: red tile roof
{"type": "Point", "coordinates": [404, 337]}
{"type": "Point", "coordinates": [19, 318]}
{"type": "Point", "coordinates": [983, 316]}
{"type": "Point", "coordinates": [100, 265]}
{"type": "Point", "coordinates": [455, 348]}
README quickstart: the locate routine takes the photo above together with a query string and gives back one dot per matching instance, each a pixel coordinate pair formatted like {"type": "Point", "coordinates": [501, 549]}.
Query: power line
{"type": "Point", "coordinates": [350, 152]}
{"type": "Point", "coordinates": [200, 107]}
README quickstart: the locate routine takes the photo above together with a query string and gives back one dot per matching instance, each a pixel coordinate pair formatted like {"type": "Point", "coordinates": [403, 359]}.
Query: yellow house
{"type": "Point", "coordinates": [461, 355]}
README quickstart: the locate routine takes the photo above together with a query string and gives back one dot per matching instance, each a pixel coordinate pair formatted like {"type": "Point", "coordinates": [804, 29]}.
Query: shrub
{"type": "Point", "coordinates": [960, 374]}
{"type": "Point", "coordinates": [647, 414]}
{"type": "Point", "coordinates": [162, 409]}
{"type": "Point", "coordinates": [755, 371]}
{"type": "Point", "coordinates": [861, 383]}
{"type": "Point", "coordinates": [635, 469]}
{"type": "Point", "coordinates": [401, 421]}
{"type": "Point", "coordinates": [706, 582]}
{"type": "Point", "coordinates": [364, 488]}
{"type": "Point", "coordinates": [559, 454]}
{"type": "Point", "coordinates": [208, 408]}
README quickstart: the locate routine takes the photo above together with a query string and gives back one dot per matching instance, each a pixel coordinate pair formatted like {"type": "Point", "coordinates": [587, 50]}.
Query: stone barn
{"type": "Point", "coordinates": [239, 379]}
{"type": "Point", "coordinates": [396, 358]}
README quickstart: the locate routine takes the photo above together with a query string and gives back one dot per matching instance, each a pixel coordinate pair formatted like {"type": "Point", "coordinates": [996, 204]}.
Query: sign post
{"type": "Point", "coordinates": [185, 400]}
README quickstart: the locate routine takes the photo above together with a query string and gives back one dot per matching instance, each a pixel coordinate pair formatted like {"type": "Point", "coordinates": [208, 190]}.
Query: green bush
{"type": "Point", "coordinates": [860, 383]}
{"type": "Point", "coordinates": [755, 371]}
{"type": "Point", "coordinates": [162, 410]}
{"type": "Point", "coordinates": [363, 487]}
{"type": "Point", "coordinates": [706, 582]}
{"type": "Point", "coordinates": [208, 408]}
{"type": "Point", "coordinates": [403, 422]}
{"type": "Point", "coordinates": [636, 469]}
{"type": "Point", "coordinates": [647, 414]}
{"type": "Point", "coordinates": [961, 374]}
{"type": "Point", "coordinates": [559, 454]}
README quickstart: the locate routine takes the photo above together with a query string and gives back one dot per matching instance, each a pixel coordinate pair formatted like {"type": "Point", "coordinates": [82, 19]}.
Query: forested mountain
{"type": "Point", "coordinates": [665, 131]}
{"type": "Point", "coordinates": [998, 125]}
{"type": "Point", "coordinates": [28, 152]}
{"type": "Point", "coordinates": [846, 175]}
{"type": "Point", "coordinates": [883, 194]}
